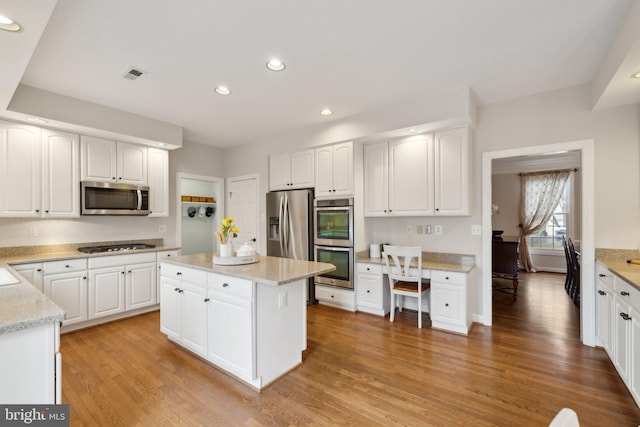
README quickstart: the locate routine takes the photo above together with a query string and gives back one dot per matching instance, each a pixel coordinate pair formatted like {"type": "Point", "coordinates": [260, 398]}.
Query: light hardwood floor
{"type": "Point", "coordinates": [360, 369]}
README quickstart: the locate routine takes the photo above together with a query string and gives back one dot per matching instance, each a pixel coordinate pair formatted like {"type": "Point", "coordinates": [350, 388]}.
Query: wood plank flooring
{"type": "Point", "coordinates": [360, 369]}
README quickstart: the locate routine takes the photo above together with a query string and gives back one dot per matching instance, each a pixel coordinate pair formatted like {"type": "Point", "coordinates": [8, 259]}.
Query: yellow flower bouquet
{"type": "Point", "coordinates": [227, 231]}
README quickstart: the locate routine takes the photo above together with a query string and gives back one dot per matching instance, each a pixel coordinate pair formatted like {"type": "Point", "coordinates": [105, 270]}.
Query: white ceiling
{"type": "Point", "coordinates": [352, 56]}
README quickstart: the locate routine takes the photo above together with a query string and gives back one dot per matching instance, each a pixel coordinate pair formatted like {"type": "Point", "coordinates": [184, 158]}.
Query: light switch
{"type": "Point", "coordinates": [418, 229]}
{"type": "Point", "coordinates": [427, 229]}
{"type": "Point", "coordinates": [282, 300]}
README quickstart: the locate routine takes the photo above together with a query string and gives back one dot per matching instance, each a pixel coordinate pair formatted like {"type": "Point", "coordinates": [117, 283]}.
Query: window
{"type": "Point", "coordinates": [550, 237]}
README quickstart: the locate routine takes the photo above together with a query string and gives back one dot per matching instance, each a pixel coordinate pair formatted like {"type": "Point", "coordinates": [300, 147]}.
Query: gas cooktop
{"type": "Point", "coordinates": [115, 248]}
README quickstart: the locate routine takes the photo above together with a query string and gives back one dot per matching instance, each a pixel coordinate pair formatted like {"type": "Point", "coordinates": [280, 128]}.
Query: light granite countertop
{"type": "Point", "coordinates": [268, 270]}
{"type": "Point", "coordinates": [432, 260]}
{"type": "Point", "coordinates": [616, 261]}
{"type": "Point", "coordinates": [22, 305]}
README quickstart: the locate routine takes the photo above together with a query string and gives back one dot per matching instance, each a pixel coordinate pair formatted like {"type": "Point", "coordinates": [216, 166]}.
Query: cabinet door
{"type": "Point", "coordinates": [343, 169]}
{"type": "Point", "coordinates": [158, 179]}
{"type": "Point", "coordinates": [376, 179]}
{"type": "Point", "coordinates": [131, 164]}
{"type": "Point", "coordinates": [69, 291]}
{"type": "Point", "coordinates": [32, 272]}
{"type": "Point", "coordinates": [634, 380]}
{"type": "Point", "coordinates": [140, 285]}
{"type": "Point", "coordinates": [324, 171]}
{"type": "Point", "coordinates": [302, 175]}
{"type": "Point", "coordinates": [106, 291]}
{"type": "Point", "coordinates": [193, 317]}
{"type": "Point", "coordinates": [20, 170]}
{"type": "Point", "coordinates": [60, 174]}
{"type": "Point", "coordinates": [622, 338]}
{"type": "Point", "coordinates": [170, 307]}
{"type": "Point", "coordinates": [452, 172]}
{"type": "Point", "coordinates": [410, 182]}
{"type": "Point", "coordinates": [370, 290]}
{"type": "Point", "coordinates": [229, 325]}
{"type": "Point", "coordinates": [604, 316]}
{"type": "Point", "coordinates": [447, 303]}
{"type": "Point", "coordinates": [280, 172]}
{"type": "Point", "coordinates": [98, 159]}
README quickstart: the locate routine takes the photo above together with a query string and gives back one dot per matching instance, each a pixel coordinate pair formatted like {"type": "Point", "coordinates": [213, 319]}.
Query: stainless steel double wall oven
{"type": "Point", "coordinates": [333, 240]}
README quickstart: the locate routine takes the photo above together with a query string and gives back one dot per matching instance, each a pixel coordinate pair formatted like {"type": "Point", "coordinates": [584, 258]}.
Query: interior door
{"type": "Point", "coordinates": [242, 200]}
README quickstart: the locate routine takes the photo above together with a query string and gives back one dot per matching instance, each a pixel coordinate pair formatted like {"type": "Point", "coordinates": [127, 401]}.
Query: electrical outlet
{"type": "Point", "coordinates": [438, 230]}
{"type": "Point", "coordinates": [418, 229]}
{"type": "Point", "coordinates": [409, 229]}
{"type": "Point", "coordinates": [476, 230]}
{"type": "Point", "coordinates": [33, 232]}
{"type": "Point", "coordinates": [427, 229]}
{"type": "Point", "coordinates": [282, 300]}
{"type": "Point", "coordinates": [162, 228]}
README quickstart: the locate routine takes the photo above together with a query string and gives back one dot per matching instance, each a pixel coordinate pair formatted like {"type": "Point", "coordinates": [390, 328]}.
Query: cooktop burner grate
{"type": "Point", "coordinates": [115, 248]}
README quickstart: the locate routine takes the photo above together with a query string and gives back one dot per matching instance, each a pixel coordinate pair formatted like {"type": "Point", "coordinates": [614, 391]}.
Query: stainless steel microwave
{"type": "Point", "coordinates": [106, 198]}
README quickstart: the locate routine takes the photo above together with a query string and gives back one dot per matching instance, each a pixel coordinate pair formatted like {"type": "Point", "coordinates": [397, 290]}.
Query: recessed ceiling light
{"type": "Point", "coordinates": [275, 65]}
{"type": "Point", "coordinates": [326, 112]}
{"type": "Point", "coordinates": [223, 90]}
{"type": "Point", "coordinates": [635, 75]}
{"type": "Point", "coordinates": [36, 120]}
{"type": "Point", "coordinates": [9, 24]}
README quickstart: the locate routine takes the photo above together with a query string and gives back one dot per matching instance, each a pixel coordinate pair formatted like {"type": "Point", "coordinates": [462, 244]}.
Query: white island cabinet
{"type": "Point", "coordinates": [248, 320]}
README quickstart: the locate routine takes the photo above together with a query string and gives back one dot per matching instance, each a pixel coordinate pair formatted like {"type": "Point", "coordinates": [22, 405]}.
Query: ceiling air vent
{"type": "Point", "coordinates": [133, 74]}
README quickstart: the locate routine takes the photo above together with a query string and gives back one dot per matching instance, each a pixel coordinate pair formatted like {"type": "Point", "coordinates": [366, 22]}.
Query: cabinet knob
{"type": "Point", "coordinates": [180, 291]}
{"type": "Point", "coordinates": [332, 296]}
{"type": "Point", "coordinates": [39, 269]}
{"type": "Point", "coordinates": [67, 266]}
{"type": "Point", "coordinates": [446, 304]}
{"type": "Point", "coordinates": [47, 211]}
{"type": "Point", "coordinates": [206, 300]}
{"type": "Point", "coordinates": [624, 293]}
{"type": "Point", "coordinates": [179, 273]}
{"type": "Point", "coordinates": [37, 210]}
{"type": "Point", "coordinates": [602, 275]}
{"type": "Point", "coordinates": [224, 285]}
{"type": "Point", "coordinates": [113, 177]}
{"type": "Point", "coordinates": [176, 289]}
{"type": "Point", "coordinates": [437, 209]}
{"type": "Point", "coordinates": [84, 277]}
{"type": "Point", "coordinates": [446, 278]}
{"type": "Point", "coordinates": [368, 291]}
{"type": "Point", "coordinates": [601, 292]}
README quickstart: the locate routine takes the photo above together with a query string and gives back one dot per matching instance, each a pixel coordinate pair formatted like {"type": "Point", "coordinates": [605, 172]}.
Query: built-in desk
{"type": "Point", "coordinates": [448, 299]}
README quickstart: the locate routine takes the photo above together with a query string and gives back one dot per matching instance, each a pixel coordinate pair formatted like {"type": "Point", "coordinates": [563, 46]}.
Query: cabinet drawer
{"type": "Point", "coordinates": [627, 292]}
{"type": "Point", "coordinates": [338, 296]}
{"type": "Point", "coordinates": [167, 254]}
{"type": "Point", "coordinates": [370, 290]}
{"type": "Point", "coordinates": [64, 266]}
{"type": "Point", "coordinates": [603, 274]}
{"type": "Point", "coordinates": [455, 278]}
{"type": "Point", "coordinates": [369, 268]}
{"type": "Point", "coordinates": [198, 277]}
{"type": "Point", "coordinates": [116, 260]}
{"type": "Point", "coordinates": [233, 286]}
{"type": "Point", "coordinates": [448, 304]}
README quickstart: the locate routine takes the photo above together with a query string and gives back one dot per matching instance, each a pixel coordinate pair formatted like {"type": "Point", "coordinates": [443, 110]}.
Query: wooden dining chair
{"type": "Point", "coordinates": [404, 268]}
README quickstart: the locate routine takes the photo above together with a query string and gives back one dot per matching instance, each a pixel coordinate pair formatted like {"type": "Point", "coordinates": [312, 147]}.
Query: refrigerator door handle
{"type": "Point", "coordinates": [287, 226]}
{"type": "Point", "coordinates": [280, 219]}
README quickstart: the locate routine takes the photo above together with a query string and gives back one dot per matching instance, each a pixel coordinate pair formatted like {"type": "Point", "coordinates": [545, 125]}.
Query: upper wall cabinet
{"type": "Point", "coordinates": [38, 172]}
{"type": "Point", "coordinates": [422, 175]}
{"type": "Point", "coordinates": [105, 160]}
{"type": "Point", "coordinates": [334, 170]}
{"type": "Point", "coordinates": [289, 171]}
{"type": "Point", "coordinates": [158, 179]}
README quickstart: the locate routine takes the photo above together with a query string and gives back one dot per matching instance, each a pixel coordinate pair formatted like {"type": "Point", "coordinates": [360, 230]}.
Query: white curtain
{"type": "Point", "coordinates": [541, 192]}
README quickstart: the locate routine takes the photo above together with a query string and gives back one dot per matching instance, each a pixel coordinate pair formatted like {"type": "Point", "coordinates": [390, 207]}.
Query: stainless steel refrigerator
{"type": "Point", "coordinates": [290, 227]}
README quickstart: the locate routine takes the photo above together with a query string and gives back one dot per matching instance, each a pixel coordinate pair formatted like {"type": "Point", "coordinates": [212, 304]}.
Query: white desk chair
{"type": "Point", "coordinates": [402, 281]}
{"type": "Point", "coordinates": [565, 418]}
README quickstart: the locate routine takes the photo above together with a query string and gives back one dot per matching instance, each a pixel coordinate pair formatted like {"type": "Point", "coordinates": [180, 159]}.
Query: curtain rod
{"type": "Point", "coordinates": [551, 171]}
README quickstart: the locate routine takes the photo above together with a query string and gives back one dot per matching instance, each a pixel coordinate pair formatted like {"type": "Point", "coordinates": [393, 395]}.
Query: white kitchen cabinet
{"type": "Point", "coordinates": [372, 289]}
{"type": "Point", "coordinates": [121, 283]}
{"type": "Point", "coordinates": [230, 303]}
{"type": "Point", "coordinates": [105, 160]}
{"type": "Point", "coordinates": [288, 171]}
{"type": "Point", "coordinates": [448, 301]}
{"type": "Point", "coordinates": [422, 175]}
{"type": "Point", "coordinates": [183, 309]}
{"type": "Point", "coordinates": [634, 351]}
{"type": "Point", "coordinates": [60, 174]}
{"type": "Point", "coordinates": [65, 282]}
{"type": "Point", "coordinates": [622, 328]}
{"type": "Point", "coordinates": [605, 308]}
{"type": "Point", "coordinates": [106, 291]}
{"type": "Point", "coordinates": [451, 169]}
{"type": "Point", "coordinates": [20, 170]}
{"type": "Point", "coordinates": [158, 181]}
{"type": "Point", "coordinates": [336, 297]}
{"type": "Point", "coordinates": [162, 255]}
{"type": "Point", "coordinates": [334, 170]}
{"type": "Point", "coordinates": [32, 272]}
{"type": "Point", "coordinates": [30, 361]}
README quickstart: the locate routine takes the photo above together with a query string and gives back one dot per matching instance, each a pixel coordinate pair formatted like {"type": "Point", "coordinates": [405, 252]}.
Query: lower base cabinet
{"type": "Point", "coordinates": [254, 331]}
{"type": "Point", "coordinates": [336, 297]}
{"type": "Point", "coordinates": [31, 362]}
{"type": "Point", "coordinates": [618, 325]}
{"type": "Point", "coordinates": [69, 291]}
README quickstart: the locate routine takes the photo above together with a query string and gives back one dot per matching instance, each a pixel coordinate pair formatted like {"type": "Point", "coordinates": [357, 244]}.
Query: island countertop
{"type": "Point", "coordinates": [269, 270]}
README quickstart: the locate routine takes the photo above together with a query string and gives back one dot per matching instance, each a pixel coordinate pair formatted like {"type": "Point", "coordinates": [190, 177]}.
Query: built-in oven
{"type": "Point", "coordinates": [342, 258]}
{"type": "Point", "coordinates": [334, 222]}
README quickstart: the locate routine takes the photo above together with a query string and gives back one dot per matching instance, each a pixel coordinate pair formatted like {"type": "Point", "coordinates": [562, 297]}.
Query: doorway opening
{"type": "Point", "coordinates": [200, 208]}
{"type": "Point", "coordinates": [586, 227]}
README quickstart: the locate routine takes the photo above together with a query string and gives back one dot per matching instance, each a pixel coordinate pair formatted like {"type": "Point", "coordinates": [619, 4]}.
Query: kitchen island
{"type": "Point", "coordinates": [249, 320]}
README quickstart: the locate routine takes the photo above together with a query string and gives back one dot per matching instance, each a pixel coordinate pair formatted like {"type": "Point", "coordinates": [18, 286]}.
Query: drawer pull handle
{"type": "Point", "coordinates": [332, 296]}
{"type": "Point", "coordinates": [206, 300]}
{"type": "Point", "coordinates": [368, 291]}
{"type": "Point", "coordinates": [624, 293]}
{"type": "Point", "coordinates": [446, 278]}
{"type": "Point", "coordinates": [224, 285]}
{"type": "Point", "coordinates": [601, 292]}
{"type": "Point", "coordinates": [446, 304]}
{"type": "Point", "coordinates": [176, 289]}
{"type": "Point", "coordinates": [122, 272]}
{"type": "Point", "coordinates": [179, 273]}
{"type": "Point", "coordinates": [67, 266]}
{"type": "Point", "coordinates": [602, 275]}
{"type": "Point", "coordinates": [180, 291]}
{"type": "Point", "coordinates": [625, 316]}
